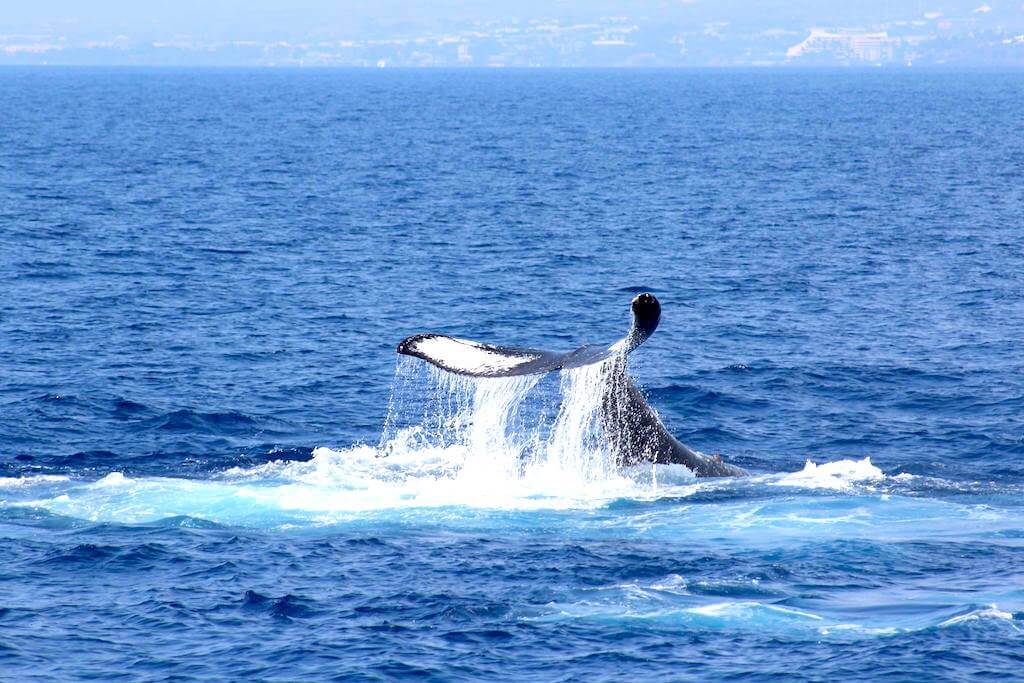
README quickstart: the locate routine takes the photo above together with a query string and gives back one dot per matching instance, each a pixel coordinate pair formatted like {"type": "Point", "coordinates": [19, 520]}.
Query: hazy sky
{"type": "Point", "coordinates": [284, 19]}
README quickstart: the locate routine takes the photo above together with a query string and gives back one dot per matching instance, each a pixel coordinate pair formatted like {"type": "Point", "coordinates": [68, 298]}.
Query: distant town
{"type": "Point", "coordinates": [979, 37]}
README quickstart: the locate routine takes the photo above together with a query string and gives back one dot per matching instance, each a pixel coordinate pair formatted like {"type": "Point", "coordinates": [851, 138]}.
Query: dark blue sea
{"type": "Point", "coordinates": [213, 465]}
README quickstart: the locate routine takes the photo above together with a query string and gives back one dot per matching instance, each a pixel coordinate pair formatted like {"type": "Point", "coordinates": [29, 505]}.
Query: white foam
{"type": "Point", "coordinates": [631, 603]}
{"type": "Point", "coordinates": [857, 629]}
{"type": "Point", "coordinates": [744, 609]}
{"type": "Point", "coordinates": [991, 612]}
{"type": "Point", "coordinates": [25, 482]}
{"type": "Point", "coordinates": [673, 583]}
{"type": "Point", "coordinates": [112, 479]}
{"type": "Point", "coordinates": [357, 480]}
{"type": "Point", "coordinates": [840, 475]}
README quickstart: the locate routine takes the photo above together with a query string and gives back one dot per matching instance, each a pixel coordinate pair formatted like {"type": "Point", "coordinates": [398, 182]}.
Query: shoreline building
{"type": "Point", "coordinates": [846, 45]}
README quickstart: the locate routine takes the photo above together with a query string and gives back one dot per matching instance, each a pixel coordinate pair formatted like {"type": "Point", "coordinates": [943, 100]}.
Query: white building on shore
{"type": "Point", "coordinates": [846, 45]}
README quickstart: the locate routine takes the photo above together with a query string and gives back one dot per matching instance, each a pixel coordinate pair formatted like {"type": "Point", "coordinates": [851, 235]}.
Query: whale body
{"type": "Point", "coordinates": [634, 431]}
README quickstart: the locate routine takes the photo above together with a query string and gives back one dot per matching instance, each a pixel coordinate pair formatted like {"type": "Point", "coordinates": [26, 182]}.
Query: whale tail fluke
{"type": "Point", "coordinates": [634, 430]}
{"type": "Point", "coordinates": [465, 357]}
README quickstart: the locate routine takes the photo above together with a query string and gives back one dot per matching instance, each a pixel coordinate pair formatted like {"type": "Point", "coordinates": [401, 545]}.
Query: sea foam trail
{"type": "Point", "coordinates": [713, 613]}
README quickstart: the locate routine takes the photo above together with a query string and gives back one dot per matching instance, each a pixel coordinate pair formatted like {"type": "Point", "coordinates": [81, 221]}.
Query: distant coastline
{"type": "Point", "coordinates": [981, 37]}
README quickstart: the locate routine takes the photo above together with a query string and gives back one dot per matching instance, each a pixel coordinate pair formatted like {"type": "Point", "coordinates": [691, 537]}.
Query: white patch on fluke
{"type": "Point", "coordinates": [463, 355]}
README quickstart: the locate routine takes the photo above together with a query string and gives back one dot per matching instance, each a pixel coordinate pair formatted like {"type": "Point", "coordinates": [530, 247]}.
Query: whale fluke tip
{"type": "Point", "coordinates": [406, 345]}
{"type": "Point", "coordinates": [646, 315]}
{"type": "Point", "coordinates": [645, 300]}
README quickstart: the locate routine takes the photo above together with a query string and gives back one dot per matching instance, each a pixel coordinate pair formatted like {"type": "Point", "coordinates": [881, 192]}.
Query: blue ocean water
{"type": "Point", "coordinates": [212, 465]}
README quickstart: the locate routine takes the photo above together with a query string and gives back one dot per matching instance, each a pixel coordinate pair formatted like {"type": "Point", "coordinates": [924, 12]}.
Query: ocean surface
{"type": "Point", "coordinates": [214, 466]}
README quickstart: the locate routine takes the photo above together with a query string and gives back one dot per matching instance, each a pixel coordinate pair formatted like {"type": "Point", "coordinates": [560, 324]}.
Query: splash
{"type": "Point", "coordinates": [499, 431]}
{"type": "Point", "coordinates": [577, 448]}
{"type": "Point", "coordinates": [502, 444]}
